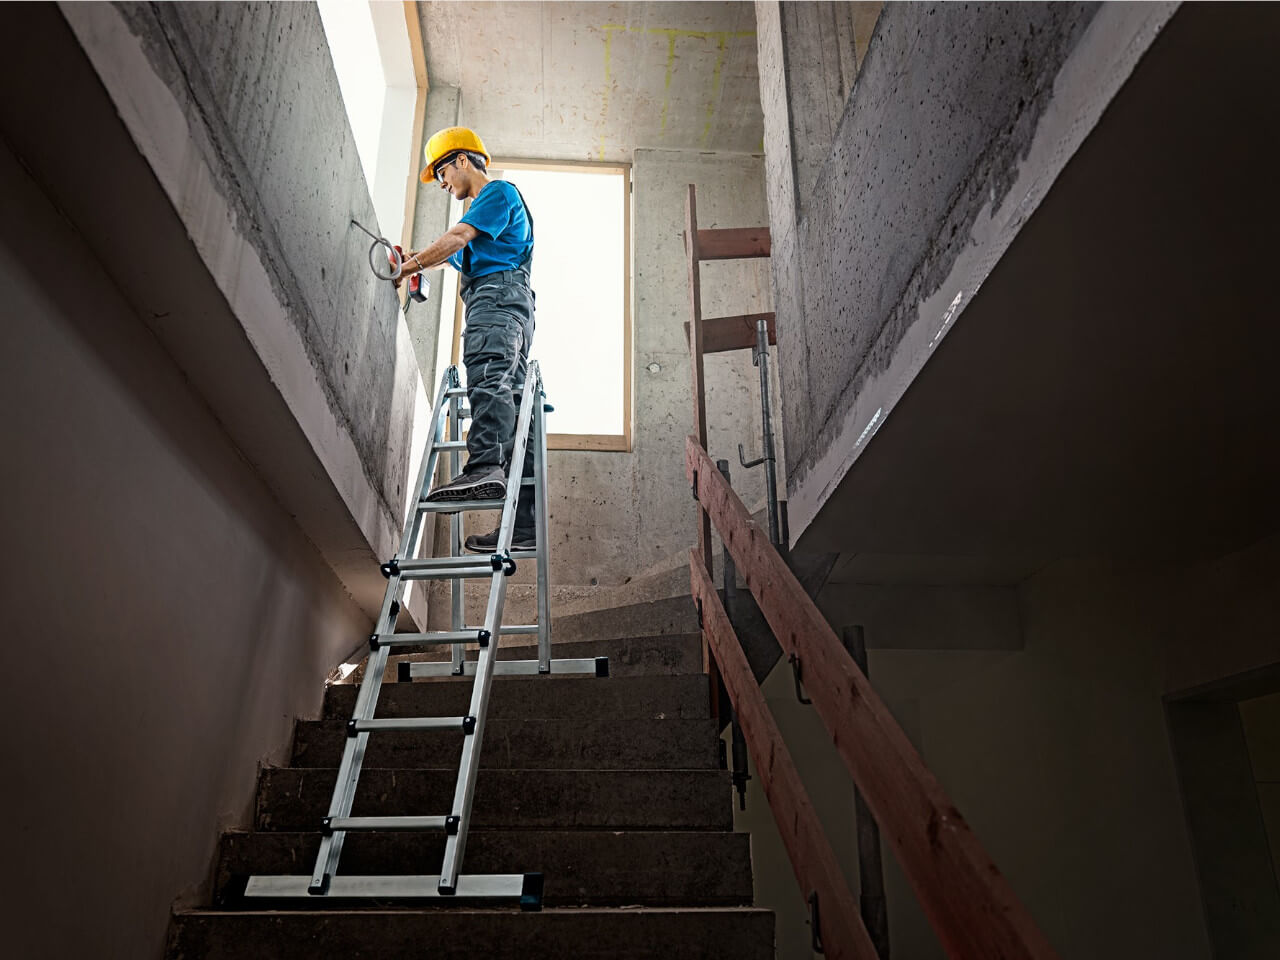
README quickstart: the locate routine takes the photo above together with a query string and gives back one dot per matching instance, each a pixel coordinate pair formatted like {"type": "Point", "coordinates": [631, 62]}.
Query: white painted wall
{"type": "Point", "coordinates": [166, 618]}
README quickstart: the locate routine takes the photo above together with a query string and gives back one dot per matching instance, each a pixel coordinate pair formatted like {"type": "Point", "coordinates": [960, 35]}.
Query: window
{"type": "Point", "coordinates": [582, 278]}
{"type": "Point", "coordinates": [373, 58]}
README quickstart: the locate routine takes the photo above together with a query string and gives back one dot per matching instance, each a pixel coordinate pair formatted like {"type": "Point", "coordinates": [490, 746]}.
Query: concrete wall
{"type": "Point", "coordinates": [236, 110]}
{"type": "Point", "coordinates": [960, 119]}
{"type": "Point", "coordinates": [166, 618]}
{"type": "Point", "coordinates": [617, 517]}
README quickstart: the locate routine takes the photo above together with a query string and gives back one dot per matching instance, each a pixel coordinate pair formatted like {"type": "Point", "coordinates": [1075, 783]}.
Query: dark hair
{"type": "Point", "coordinates": [477, 159]}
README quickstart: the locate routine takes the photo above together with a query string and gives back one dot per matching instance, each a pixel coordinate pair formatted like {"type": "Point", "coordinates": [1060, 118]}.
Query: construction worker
{"type": "Point", "coordinates": [492, 249]}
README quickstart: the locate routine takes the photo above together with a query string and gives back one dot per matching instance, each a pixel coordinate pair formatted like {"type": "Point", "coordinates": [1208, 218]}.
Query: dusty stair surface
{"type": "Point", "coordinates": [612, 788]}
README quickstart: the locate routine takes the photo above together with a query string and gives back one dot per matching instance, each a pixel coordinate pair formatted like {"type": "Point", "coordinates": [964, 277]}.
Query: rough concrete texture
{"type": "Point", "coordinates": [237, 110]}
{"type": "Point", "coordinates": [616, 516]}
{"type": "Point", "coordinates": [936, 131]}
{"type": "Point", "coordinates": [515, 697]}
{"type": "Point", "coordinates": [594, 81]}
{"type": "Point", "coordinates": [596, 867]}
{"type": "Point", "coordinates": [601, 744]}
{"type": "Point", "coordinates": [732, 933]}
{"type": "Point", "coordinates": [296, 799]}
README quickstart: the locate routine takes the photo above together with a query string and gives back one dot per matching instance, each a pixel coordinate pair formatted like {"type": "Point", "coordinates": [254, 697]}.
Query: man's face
{"type": "Point", "coordinates": [449, 176]}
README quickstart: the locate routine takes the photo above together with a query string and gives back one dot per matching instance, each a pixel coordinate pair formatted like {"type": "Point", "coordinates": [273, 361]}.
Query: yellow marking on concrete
{"type": "Point", "coordinates": [609, 30]}
{"type": "Point", "coordinates": [715, 91]}
{"type": "Point", "coordinates": [672, 34]}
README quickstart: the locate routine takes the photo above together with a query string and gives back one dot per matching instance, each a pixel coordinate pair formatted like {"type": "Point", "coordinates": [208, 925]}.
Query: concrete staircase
{"type": "Point", "coordinates": [610, 787]}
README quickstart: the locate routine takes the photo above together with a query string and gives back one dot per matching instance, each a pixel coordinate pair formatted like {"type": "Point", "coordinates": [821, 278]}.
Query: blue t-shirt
{"type": "Point", "coordinates": [504, 236]}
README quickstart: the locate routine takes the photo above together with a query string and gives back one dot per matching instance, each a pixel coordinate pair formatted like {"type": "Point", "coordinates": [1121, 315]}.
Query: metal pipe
{"type": "Point", "coordinates": [770, 472]}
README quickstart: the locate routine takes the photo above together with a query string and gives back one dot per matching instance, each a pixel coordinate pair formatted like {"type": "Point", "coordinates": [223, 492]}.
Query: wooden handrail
{"type": "Point", "coordinates": [970, 905]}
{"type": "Point", "coordinates": [814, 863]}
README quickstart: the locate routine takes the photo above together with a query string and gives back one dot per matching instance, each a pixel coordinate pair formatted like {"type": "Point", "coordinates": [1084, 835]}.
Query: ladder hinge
{"type": "Point", "coordinates": [391, 568]}
{"type": "Point", "coordinates": [503, 562]}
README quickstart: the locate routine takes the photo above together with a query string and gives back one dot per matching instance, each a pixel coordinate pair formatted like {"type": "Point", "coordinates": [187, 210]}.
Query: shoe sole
{"type": "Point", "coordinates": [485, 490]}
{"type": "Point", "coordinates": [474, 548]}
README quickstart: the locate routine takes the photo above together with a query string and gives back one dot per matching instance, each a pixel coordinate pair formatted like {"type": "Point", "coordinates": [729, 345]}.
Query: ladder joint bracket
{"type": "Point", "coordinates": [468, 725]}
{"type": "Point", "coordinates": [326, 827]}
{"type": "Point", "coordinates": [391, 568]}
{"type": "Point", "coordinates": [451, 824]}
{"type": "Point", "coordinates": [373, 641]}
{"type": "Point", "coordinates": [352, 731]}
{"type": "Point", "coordinates": [503, 562]}
{"type": "Point", "coordinates": [483, 637]}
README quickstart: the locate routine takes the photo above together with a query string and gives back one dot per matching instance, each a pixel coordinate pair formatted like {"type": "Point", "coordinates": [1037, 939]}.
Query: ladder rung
{"type": "Point", "coordinates": [511, 631]}
{"type": "Point", "coordinates": [595, 666]}
{"type": "Point", "coordinates": [451, 445]}
{"type": "Point", "coordinates": [436, 637]}
{"type": "Point", "coordinates": [410, 723]}
{"type": "Point", "coordinates": [457, 506]}
{"type": "Point", "coordinates": [386, 823]}
{"type": "Point", "coordinates": [497, 885]}
{"type": "Point", "coordinates": [456, 392]}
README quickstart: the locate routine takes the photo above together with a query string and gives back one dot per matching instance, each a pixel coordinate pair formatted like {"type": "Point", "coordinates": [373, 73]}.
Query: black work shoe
{"type": "Point", "coordinates": [485, 484]}
{"type": "Point", "coordinates": [488, 542]}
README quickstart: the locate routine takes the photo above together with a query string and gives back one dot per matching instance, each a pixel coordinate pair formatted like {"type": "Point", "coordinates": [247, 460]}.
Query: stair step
{"type": "Point", "coordinates": [596, 867]}
{"type": "Point", "coordinates": [628, 656]}
{"type": "Point", "coordinates": [543, 698]}
{"type": "Point", "coordinates": [297, 799]}
{"type": "Point", "coordinates": [718, 933]}
{"type": "Point", "coordinates": [528, 744]}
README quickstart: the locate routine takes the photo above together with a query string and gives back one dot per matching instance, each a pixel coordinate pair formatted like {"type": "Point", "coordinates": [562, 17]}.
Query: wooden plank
{"type": "Point", "coordinates": [606, 442]}
{"type": "Point", "coordinates": [733, 333]}
{"type": "Point", "coordinates": [812, 859]}
{"type": "Point", "coordinates": [968, 902]}
{"type": "Point", "coordinates": [737, 243]}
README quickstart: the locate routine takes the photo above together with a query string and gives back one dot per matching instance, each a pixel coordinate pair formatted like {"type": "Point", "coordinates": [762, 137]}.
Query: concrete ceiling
{"type": "Point", "coordinates": [595, 81]}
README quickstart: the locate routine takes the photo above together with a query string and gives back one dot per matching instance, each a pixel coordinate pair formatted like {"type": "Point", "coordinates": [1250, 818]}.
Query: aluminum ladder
{"type": "Point", "coordinates": [325, 881]}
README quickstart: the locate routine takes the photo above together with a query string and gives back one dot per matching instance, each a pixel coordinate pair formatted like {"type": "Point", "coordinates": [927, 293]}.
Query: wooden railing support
{"type": "Point", "coordinates": [968, 902]}
{"type": "Point", "coordinates": [815, 865]}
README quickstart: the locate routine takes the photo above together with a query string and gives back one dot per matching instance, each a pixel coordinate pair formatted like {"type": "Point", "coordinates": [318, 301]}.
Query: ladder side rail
{"type": "Point", "coordinates": [542, 526]}
{"type": "Point", "coordinates": [354, 749]}
{"type": "Point", "coordinates": [457, 589]}
{"type": "Point", "coordinates": [468, 768]}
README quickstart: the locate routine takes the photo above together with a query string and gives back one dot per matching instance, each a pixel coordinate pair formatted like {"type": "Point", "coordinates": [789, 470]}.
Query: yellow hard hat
{"type": "Point", "coordinates": [447, 141]}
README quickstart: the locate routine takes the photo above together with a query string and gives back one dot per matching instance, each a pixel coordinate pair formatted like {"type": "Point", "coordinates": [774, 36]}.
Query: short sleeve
{"type": "Point", "coordinates": [490, 212]}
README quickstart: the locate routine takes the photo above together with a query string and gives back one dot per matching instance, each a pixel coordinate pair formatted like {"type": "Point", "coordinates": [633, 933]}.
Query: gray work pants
{"type": "Point", "coordinates": [495, 351]}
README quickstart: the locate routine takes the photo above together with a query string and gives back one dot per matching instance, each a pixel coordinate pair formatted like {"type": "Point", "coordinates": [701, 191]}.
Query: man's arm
{"type": "Point", "coordinates": [435, 254]}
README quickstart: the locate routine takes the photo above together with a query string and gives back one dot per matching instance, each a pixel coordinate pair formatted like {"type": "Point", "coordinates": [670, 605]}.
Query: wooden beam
{"type": "Point", "coordinates": [738, 243]}
{"type": "Point", "coordinates": [970, 905]}
{"type": "Point", "coordinates": [733, 333]}
{"type": "Point", "coordinates": [812, 859]}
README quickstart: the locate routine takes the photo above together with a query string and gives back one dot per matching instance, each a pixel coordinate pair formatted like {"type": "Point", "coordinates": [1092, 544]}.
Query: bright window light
{"type": "Point", "coordinates": [580, 274]}
{"type": "Point", "coordinates": [369, 43]}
